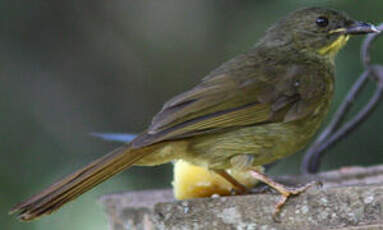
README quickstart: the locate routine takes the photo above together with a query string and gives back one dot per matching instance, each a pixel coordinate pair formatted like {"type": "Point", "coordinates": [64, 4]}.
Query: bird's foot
{"type": "Point", "coordinates": [285, 191]}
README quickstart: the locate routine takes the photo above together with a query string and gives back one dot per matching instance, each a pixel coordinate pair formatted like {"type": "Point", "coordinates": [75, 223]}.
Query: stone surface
{"type": "Point", "coordinates": [343, 207]}
{"type": "Point", "coordinates": [134, 210]}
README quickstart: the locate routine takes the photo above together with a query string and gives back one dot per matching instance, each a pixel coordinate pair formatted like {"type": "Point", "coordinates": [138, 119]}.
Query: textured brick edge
{"type": "Point", "coordinates": [335, 206]}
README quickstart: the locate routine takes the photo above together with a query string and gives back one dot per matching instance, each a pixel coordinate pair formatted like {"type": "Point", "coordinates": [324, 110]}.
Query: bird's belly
{"type": "Point", "coordinates": [266, 143]}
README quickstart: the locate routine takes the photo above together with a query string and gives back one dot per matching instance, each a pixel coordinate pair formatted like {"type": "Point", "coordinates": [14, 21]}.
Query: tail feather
{"type": "Point", "coordinates": [79, 182]}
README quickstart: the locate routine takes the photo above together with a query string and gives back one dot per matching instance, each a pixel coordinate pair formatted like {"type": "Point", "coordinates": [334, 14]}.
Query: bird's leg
{"type": "Point", "coordinates": [238, 187]}
{"type": "Point", "coordinates": [286, 192]}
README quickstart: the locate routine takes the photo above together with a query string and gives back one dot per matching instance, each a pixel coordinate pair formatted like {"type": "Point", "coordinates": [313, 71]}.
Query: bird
{"type": "Point", "coordinates": [256, 108]}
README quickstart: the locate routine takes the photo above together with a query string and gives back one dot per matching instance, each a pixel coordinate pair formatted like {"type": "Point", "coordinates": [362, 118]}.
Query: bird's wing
{"type": "Point", "coordinates": [239, 93]}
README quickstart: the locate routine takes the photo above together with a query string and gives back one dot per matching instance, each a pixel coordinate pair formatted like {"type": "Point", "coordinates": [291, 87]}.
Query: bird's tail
{"type": "Point", "coordinates": [79, 182]}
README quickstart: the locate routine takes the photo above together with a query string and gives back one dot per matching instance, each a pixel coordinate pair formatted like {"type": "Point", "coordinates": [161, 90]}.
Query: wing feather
{"type": "Point", "coordinates": [234, 95]}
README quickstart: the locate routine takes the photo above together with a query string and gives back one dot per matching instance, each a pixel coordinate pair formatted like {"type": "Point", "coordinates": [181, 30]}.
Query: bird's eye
{"type": "Point", "coordinates": [322, 21]}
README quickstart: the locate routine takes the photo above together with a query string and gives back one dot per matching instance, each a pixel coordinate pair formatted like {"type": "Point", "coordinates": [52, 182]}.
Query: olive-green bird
{"type": "Point", "coordinates": [256, 108]}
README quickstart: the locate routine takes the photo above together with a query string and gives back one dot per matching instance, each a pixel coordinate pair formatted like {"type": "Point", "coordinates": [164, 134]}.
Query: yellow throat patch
{"type": "Point", "coordinates": [334, 47]}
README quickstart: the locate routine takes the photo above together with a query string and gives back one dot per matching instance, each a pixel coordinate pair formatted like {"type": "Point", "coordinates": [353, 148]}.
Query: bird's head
{"type": "Point", "coordinates": [316, 30]}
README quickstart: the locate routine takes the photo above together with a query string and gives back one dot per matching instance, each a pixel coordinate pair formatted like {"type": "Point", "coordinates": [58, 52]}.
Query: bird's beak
{"type": "Point", "coordinates": [361, 28]}
{"type": "Point", "coordinates": [357, 28]}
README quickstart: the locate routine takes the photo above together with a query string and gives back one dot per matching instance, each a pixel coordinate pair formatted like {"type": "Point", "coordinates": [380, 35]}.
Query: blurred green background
{"type": "Point", "coordinates": [73, 67]}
